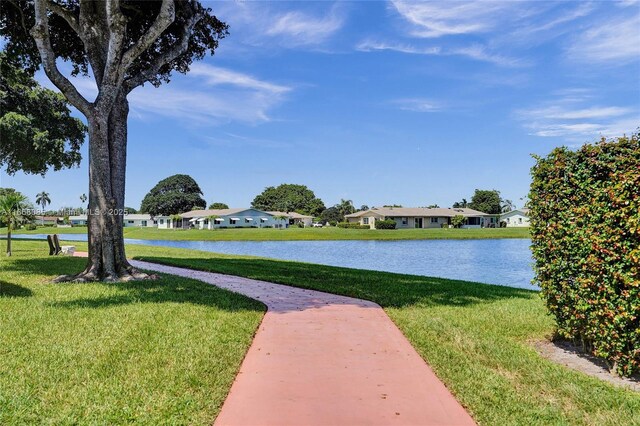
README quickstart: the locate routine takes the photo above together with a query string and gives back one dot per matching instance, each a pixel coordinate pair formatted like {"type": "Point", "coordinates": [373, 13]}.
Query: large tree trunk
{"type": "Point", "coordinates": [107, 168]}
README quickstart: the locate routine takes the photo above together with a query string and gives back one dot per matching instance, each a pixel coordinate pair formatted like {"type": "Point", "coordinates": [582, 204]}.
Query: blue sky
{"type": "Point", "coordinates": [380, 102]}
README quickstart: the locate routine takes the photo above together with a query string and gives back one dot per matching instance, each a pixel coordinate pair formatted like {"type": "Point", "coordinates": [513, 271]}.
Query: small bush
{"type": "Point", "coordinates": [585, 235]}
{"type": "Point", "coordinates": [444, 225]}
{"type": "Point", "coordinates": [30, 227]}
{"type": "Point", "coordinates": [386, 224]}
{"type": "Point", "coordinates": [352, 225]}
{"type": "Point", "coordinates": [333, 223]}
{"type": "Point", "coordinates": [457, 221]}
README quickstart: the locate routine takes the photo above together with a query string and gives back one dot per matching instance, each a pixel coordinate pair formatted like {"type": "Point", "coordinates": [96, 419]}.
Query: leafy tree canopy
{"type": "Point", "coordinates": [289, 198]}
{"type": "Point", "coordinates": [173, 195]}
{"type": "Point", "coordinates": [218, 206]}
{"type": "Point", "coordinates": [38, 131]}
{"type": "Point", "coordinates": [487, 201]}
{"type": "Point", "coordinates": [130, 210]}
{"type": "Point", "coordinates": [332, 214]}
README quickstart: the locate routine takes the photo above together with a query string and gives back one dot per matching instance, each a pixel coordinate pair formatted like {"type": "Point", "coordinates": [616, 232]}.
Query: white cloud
{"type": "Point", "coordinates": [418, 105]}
{"type": "Point", "coordinates": [569, 119]}
{"type": "Point", "coordinates": [299, 28]}
{"type": "Point", "coordinates": [475, 51]}
{"type": "Point", "coordinates": [613, 41]}
{"type": "Point", "coordinates": [437, 19]}
{"type": "Point", "coordinates": [240, 97]}
{"type": "Point", "coordinates": [216, 95]}
{"type": "Point", "coordinates": [222, 76]}
{"type": "Point", "coordinates": [277, 24]}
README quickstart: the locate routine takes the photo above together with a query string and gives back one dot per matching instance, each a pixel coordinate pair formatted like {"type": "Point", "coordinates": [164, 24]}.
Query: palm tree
{"type": "Point", "coordinates": [11, 205]}
{"type": "Point", "coordinates": [42, 199]}
{"type": "Point", "coordinates": [507, 206]}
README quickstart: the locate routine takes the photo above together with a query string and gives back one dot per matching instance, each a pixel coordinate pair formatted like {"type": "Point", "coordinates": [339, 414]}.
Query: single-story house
{"type": "Point", "coordinates": [78, 220]}
{"type": "Point", "coordinates": [515, 218]}
{"type": "Point", "coordinates": [223, 218]}
{"type": "Point", "coordinates": [47, 220]}
{"type": "Point", "coordinates": [128, 220]}
{"type": "Point", "coordinates": [422, 217]}
{"type": "Point", "coordinates": [295, 218]}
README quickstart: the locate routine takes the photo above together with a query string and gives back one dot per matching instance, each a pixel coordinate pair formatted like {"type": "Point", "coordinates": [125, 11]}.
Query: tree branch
{"type": "Point", "coordinates": [40, 33]}
{"type": "Point", "coordinates": [178, 49]}
{"type": "Point", "coordinates": [165, 17]}
{"type": "Point", "coordinates": [112, 76]}
{"type": "Point", "coordinates": [65, 14]}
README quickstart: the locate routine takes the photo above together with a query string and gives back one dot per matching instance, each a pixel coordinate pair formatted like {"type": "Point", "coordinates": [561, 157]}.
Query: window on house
{"type": "Point", "coordinates": [434, 220]}
{"type": "Point", "coordinates": [519, 220]}
{"type": "Point", "coordinates": [206, 221]}
{"type": "Point", "coordinates": [155, 222]}
{"type": "Point", "coordinates": [365, 220]}
{"type": "Point", "coordinates": [161, 221]}
{"type": "Point", "coordinates": [129, 221]}
{"type": "Point", "coordinates": [233, 221]}
{"type": "Point", "coordinates": [405, 220]}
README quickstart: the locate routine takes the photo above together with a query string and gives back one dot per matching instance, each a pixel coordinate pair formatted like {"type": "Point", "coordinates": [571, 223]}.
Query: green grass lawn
{"type": "Point", "coordinates": [133, 345]}
{"type": "Point", "coordinates": [155, 352]}
{"type": "Point", "coordinates": [476, 337]}
{"type": "Point", "coordinates": [269, 234]}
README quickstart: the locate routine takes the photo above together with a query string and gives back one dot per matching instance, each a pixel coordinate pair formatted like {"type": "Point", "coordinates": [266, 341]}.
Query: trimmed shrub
{"type": "Point", "coordinates": [30, 227]}
{"type": "Point", "coordinates": [457, 221]}
{"type": "Point", "coordinates": [352, 225]}
{"type": "Point", "coordinates": [386, 224]}
{"type": "Point", "coordinates": [585, 235]}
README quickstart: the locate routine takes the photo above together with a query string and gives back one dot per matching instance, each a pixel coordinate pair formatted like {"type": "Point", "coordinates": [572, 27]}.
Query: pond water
{"type": "Point", "coordinates": [495, 261]}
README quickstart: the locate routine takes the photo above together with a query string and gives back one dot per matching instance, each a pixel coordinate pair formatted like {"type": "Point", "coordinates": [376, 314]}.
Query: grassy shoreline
{"type": "Point", "coordinates": [477, 338]}
{"type": "Point", "coordinates": [298, 234]}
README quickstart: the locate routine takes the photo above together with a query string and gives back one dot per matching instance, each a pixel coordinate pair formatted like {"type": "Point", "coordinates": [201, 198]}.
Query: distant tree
{"type": "Point", "coordinates": [461, 204]}
{"type": "Point", "coordinates": [173, 195]}
{"type": "Point", "coordinates": [363, 208]}
{"type": "Point", "coordinates": [42, 199]}
{"type": "Point", "coordinates": [130, 210]}
{"type": "Point", "coordinates": [289, 198]}
{"type": "Point", "coordinates": [345, 207]}
{"type": "Point", "coordinates": [433, 206]}
{"type": "Point", "coordinates": [332, 214]}
{"type": "Point", "coordinates": [11, 206]}
{"type": "Point", "coordinates": [507, 206]}
{"type": "Point", "coordinates": [392, 206]}
{"type": "Point", "coordinates": [487, 201]}
{"type": "Point", "coordinates": [218, 206]}
{"type": "Point", "coordinates": [38, 131]}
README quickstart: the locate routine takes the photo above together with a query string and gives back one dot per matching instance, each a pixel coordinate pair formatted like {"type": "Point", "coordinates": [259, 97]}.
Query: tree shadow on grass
{"type": "Point", "coordinates": [8, 289]}
{"type": "Point", "coordinates": [166, 289]}
{"type": "Point", "coordinates": [386, 289]}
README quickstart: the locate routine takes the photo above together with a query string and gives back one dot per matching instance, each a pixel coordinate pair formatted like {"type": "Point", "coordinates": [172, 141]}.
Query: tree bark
{"type": "Point", "coordinates": [9, 239]}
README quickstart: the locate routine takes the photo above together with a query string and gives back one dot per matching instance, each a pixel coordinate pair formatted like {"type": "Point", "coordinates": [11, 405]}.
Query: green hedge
{"type": "Point", "coordinates": [386, 224]}
{"type": "Point", "coordinates": [352, 225]}
{"type": "Point", "coordinates": [585, 231]}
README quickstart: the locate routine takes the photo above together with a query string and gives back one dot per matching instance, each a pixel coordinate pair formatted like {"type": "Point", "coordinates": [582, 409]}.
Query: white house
{"type": "Point", "coordinates": [421, 217]}
{"type": "Point", "coordinates": [228, 218]}
{"type": "Point", "coordinates": [295, 218]}
{"type": "Point", "coordinates": [128, 220]}
{"type": "Point", "coordinates": [515, 218]}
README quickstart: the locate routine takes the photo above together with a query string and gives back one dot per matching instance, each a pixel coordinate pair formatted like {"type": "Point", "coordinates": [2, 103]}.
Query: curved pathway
{"type": "Point", "coordinates": [323, 359]}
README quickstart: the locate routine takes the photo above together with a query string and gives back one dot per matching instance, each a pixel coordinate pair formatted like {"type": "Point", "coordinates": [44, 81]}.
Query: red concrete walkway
{"type": "Point", "coordinates": [322, 359]}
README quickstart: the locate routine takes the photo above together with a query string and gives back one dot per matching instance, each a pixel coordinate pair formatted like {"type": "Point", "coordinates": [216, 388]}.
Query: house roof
{"type": "Point", "coordinates": [523, 212]}
{"type": "Point", "coordinates": [211, 212]}
{"type": "Point", "coordinates": [46, 217]}
{"type": "Point", "coordinates": [419, 212]}
{"type": "Point", "coordinates": [292, 215]}
{"type": "Point", "coordinates": [137, 216]}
